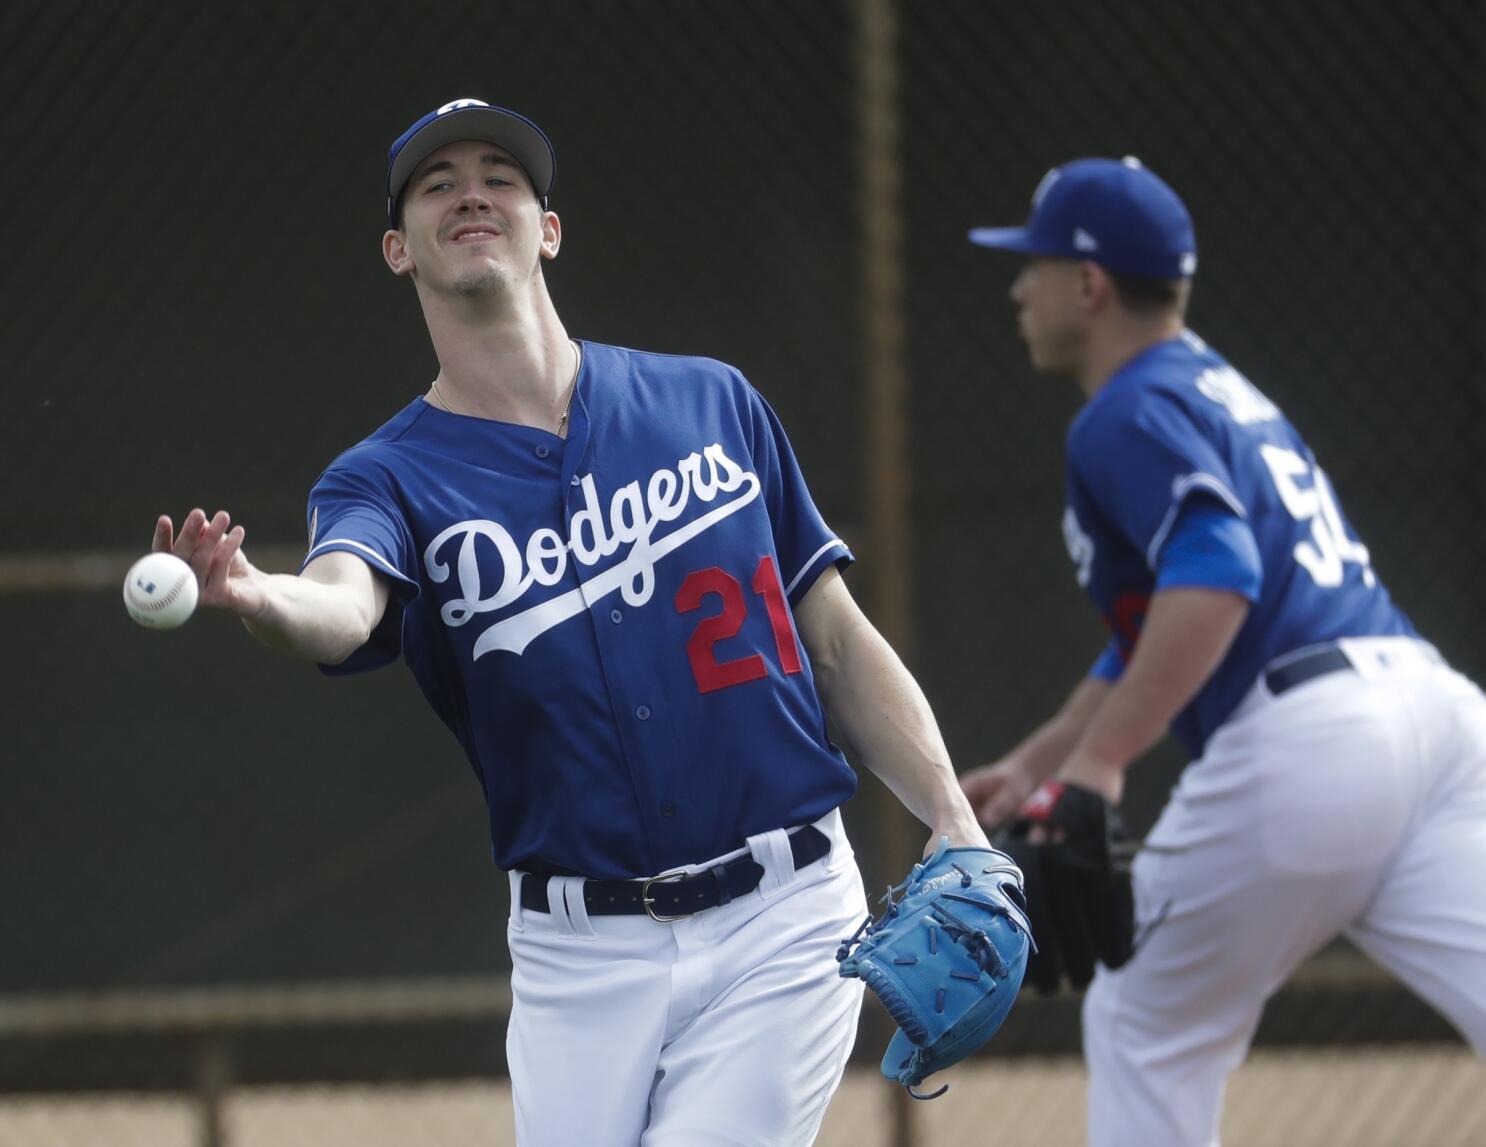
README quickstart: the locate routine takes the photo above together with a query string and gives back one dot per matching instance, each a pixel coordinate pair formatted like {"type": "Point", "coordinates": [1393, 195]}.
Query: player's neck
{"type": "Point", "coordinates": [1111, 345]}
{"type": "Point", "coordinates": [511, 363]}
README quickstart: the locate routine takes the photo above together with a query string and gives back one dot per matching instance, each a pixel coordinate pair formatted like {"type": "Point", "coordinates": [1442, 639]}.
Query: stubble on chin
{"type": "Point", "coordinates": [480, 283]}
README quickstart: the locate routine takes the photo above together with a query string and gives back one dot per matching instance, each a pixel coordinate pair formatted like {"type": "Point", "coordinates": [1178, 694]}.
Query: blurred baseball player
{"type": "Point", "coordinates": [1338, 774]}
{"type": "Point", "coordinates": [608, 578]}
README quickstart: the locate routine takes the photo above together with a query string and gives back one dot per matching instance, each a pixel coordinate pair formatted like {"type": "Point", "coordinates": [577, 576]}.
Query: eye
{"type": "Point", "coordinates": [439, 185]}
{"type": "Point", "coordinates": [497, 181]}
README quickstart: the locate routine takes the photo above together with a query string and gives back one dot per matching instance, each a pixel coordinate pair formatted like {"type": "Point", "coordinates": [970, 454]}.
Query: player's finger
{"type": "Point", "coordinates": [164, 534]}
{"type": "Point", "coordinates": [206, 545]}
{"type": "Point", "coordinates": [221, 561]}
{"type": "Point", "coordinates": [996, 805]}
{"type": "Point", "coordinates": [191, 527]}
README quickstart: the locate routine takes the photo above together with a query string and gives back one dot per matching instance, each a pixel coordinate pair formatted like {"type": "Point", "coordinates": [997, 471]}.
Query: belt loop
{"type": "Point", "coordinates": [771, 850]}
{"type": "Point", "coordinates": [518, 917]}
{"type": "Point", "coordinates": [565, 904]}
{"type": "Point", "coordinates": [577, 905]}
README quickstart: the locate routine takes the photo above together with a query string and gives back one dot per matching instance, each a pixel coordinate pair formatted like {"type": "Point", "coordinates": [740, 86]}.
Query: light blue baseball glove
{"type": "Point", "coordinates": [946, 959]}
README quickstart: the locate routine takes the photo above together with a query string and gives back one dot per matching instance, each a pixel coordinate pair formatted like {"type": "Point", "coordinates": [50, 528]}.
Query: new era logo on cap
{"type": "Point", "coordinates": [1117, 213]}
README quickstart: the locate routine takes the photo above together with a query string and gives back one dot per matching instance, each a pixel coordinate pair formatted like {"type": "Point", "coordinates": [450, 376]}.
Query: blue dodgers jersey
{"type": "Point", "coordinates": [604, 621]}
{"type": "Point", "coordinates": [1176, 423]}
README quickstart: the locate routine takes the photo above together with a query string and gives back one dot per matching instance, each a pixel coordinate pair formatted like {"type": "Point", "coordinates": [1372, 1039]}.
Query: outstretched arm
{"type": "Point", "coordinates": [323, 614]}
{"type": "Point", "coordinates": [880, 712]}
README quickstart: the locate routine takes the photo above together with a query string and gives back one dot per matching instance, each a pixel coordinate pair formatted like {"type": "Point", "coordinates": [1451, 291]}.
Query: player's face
{"type": "Point", "coordinates": [472, 223]}
{"type": "Point", "coordinates": [1051, 317]}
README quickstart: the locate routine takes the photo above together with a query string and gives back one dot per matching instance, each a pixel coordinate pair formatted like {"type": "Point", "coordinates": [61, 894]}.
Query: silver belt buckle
{"type": "Point", "coordinates": [649, 901]}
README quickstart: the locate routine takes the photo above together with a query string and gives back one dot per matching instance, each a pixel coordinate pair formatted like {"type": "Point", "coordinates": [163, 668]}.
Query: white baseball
{"type": "Point", "coordinates": [160, 591]}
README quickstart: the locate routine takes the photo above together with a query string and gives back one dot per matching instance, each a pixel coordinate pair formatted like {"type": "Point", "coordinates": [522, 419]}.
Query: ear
{"type": "Point", "coordinates": [1096, 288]}
{"type": "Point", "coordinates": [395, 251]}
{"type": "Point", "coordinates": [551, 234]}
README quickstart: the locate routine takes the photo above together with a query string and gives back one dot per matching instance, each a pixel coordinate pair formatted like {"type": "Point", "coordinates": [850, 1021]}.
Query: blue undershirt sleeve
{"type": "Point", "coordinates": [1110, 665]}
{"type": "Point", "coordinates": [1210, 547]}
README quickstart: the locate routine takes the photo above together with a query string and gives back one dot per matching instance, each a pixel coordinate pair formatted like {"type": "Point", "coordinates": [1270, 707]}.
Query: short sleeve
{"type": "Point", "coordinates": [1210, 547]}
{"type": "Point", "coordinates": [1139, 458]}
{"type": "Point", "coordinates": [805, 544]}
{"type": "Point", "coordinates": [349, 513]}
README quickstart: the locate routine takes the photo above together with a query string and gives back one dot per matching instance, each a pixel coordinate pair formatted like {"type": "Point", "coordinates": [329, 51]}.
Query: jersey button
{"type": "Point", "coordinates": [615, 616]}
{"type": "Point", "coordinates": [668, 808]}
{"type": "Point", "coordinates": [643, 712]}
{"type": "Point", "coordinates": [575, 481]}
{"type": "Point", "coordinates": [542, 451]}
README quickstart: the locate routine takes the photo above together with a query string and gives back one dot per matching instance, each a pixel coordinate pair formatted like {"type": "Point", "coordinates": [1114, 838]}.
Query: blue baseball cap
{"type": "Point", "coordinates": [1114, 212]}
{"type": "Point", "coordinates": [470, 119]}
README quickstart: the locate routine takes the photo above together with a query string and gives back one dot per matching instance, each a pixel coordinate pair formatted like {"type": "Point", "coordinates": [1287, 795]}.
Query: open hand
{"type": "Point", "coordinates": [213, 549]}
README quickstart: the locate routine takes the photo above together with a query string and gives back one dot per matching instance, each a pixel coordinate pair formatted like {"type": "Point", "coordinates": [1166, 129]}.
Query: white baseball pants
{"type": "Point", "coordinates": [1354, 803]}
{"type": "Point", "coordinates": [727, 1029]}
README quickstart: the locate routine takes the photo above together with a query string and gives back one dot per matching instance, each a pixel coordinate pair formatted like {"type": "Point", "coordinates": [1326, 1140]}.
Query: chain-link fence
{"type": "Point", "coordinates": [196, 313]}
{"type": "Point", "coordinates": [1360, 1097]}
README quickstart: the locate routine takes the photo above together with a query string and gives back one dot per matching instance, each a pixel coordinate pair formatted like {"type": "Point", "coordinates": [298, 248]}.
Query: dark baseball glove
{"type": "Point", "coordinates": [1077, 879]}
{"type": "Point", "coordinates": [946, 958]}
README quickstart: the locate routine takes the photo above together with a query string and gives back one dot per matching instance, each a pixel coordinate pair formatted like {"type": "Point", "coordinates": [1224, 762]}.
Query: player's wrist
{"type": "Point", "coordinates": [1097, 774]}
{"type": "Point", "coordinates": [960, 826]}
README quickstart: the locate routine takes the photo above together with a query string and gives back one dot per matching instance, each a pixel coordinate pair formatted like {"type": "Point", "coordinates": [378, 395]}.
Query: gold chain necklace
{"type": "Point", "coordinates": [562, 418]}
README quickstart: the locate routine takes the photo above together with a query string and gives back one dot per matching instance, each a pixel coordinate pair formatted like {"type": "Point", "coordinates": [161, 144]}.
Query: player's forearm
{"type": "Point", "coordinates": [886, 724]}
{"type": "Point", "coordinates": [1185, 637]}
{"type": "Point", "coordinates": [311, 619]}
{"type": "Point", "coordinates": [1051, 743]}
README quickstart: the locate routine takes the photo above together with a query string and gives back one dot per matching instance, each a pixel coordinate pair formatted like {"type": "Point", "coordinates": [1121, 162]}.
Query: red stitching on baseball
{"type": "Point", "coordinates": [151, 604]}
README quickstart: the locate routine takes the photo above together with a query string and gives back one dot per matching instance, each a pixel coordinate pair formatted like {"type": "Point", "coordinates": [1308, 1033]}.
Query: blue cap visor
{"type": "Point", "coordinates": [1004, 239]}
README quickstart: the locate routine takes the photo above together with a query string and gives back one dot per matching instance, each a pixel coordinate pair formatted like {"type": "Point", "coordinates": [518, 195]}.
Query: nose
{"type": "Point", "coordinates": [1019, 288]}
{"type": "Point", "coordinates": [474, 198]}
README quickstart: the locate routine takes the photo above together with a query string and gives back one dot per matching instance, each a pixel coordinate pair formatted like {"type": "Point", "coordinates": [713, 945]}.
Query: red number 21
{"type": "Point", "coordinates": [712, 674]}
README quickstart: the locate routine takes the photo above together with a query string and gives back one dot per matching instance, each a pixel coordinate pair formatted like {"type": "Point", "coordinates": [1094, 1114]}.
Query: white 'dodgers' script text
{"type": "Point", "coordinates": [633, 516]}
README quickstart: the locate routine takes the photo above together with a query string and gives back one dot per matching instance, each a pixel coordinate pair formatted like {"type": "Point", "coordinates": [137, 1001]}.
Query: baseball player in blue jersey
{"type": "Point", "coordinates": [608, 578]}
{"type": "Point", "coordinates": [1338, 775]}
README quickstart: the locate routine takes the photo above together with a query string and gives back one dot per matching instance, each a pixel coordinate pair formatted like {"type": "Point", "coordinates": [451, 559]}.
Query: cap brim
{"type": "Point", "coordinates": [1004, 238]}
{"type": "Point", "coordinates": [523, 139]}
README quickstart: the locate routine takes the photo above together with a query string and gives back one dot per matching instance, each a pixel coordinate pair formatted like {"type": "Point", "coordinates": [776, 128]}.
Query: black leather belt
{"type": "Point", "coordinates": [677, 897]}
{"type": "Point", "coordinates": [1306, 667]}
{"type": "Point", "coordinates": [1297, 669]}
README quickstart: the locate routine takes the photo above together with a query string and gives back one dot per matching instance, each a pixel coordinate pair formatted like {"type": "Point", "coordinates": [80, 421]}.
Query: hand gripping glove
{"type": "Point", "coordinates": [1077, 881]}
{"type": "Point", "coordinates": [946, 959]}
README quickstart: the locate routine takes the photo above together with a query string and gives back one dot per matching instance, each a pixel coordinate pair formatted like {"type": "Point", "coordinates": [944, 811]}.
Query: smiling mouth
{"type": "Point", "coordinates": [480, 235]}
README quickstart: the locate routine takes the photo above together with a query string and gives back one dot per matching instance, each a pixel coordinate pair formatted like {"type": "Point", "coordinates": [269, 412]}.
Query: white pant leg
{"type": "Point", "coordinates": [1272, 844]}
{"type": "Point", "coordinates": [588, 1016]}
{"type": "Point", "coordinates": [764, 1024]}
{"type": "Point", "coordinates": [1427, 924]}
